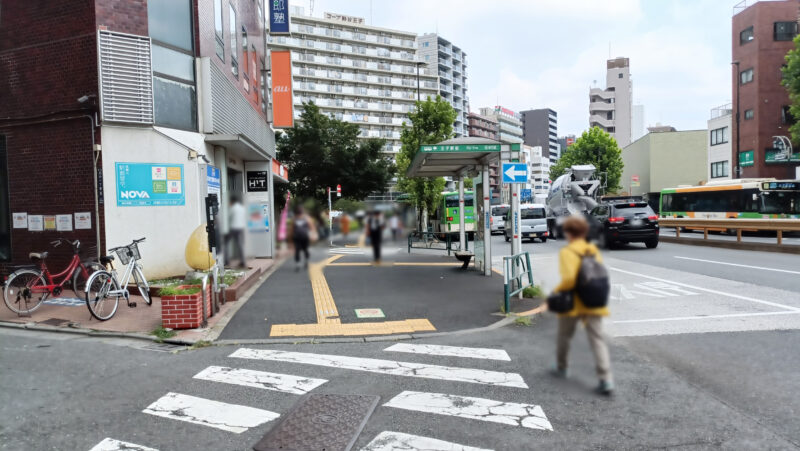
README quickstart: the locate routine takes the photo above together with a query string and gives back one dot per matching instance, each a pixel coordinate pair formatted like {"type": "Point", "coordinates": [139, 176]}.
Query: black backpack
{"type": "Point", "coordinates": [593, 285]}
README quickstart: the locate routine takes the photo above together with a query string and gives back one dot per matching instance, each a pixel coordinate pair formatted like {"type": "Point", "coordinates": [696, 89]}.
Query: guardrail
{"type": "Point", "coordinates": [515, 267]}
{"type": "Point", "coordinates": [732, 224]}
{"type": "Point", "coordinates": [433, 240]}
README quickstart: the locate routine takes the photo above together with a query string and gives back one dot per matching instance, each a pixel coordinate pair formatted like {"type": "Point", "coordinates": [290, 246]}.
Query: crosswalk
{"type": "Point", "coordinates": [237, 419]}
{"type": "Point", "coordinates": [347, 250]}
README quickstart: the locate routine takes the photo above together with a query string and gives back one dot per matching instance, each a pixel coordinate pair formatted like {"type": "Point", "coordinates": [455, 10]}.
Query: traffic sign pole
{"type": "Point", "coordinates": [461, 222]}
{"type": "Point", "coordinates": [330, 216]}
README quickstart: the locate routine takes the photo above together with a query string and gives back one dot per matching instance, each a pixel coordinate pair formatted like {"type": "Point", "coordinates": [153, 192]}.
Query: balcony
{"type": "Point", "coordinates": [602, 93]}
{"type": "Point", "coordinates": [601, 120]}
{"type": "Point", "coordinates": [600, 106]}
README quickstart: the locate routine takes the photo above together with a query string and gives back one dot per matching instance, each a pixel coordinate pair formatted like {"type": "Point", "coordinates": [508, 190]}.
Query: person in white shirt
{"type": "Point", "coordinates": [394, 225]}
{"type": "Point", "coordinates": [238, 222]}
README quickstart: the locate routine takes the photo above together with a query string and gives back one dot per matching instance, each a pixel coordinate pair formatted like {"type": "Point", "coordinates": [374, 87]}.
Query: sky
{"type": "Point", "coordinates": [528, 54]}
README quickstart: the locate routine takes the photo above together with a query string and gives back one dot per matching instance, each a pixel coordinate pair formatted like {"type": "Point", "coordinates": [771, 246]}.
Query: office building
{"type": "Point", "coordinates": [664, 160]}
{"type": "Point", "coordinates": [762, 35]}
{"type": "Point", "coordinates": [487, 127]}
{"type": "Point", "coordinates": [540, 128]}
{"type": "Point", "coordinates": [610, 108]}
{"type": "Point", "coordinates": [719, 143]}
{"type": "Point", "coordinates": [133, 112]}
{"type": "Point", "coordinates": [356, 72]}
{"type": "Point", "coordinates": [450, 62]}
{"type": "Point", "coordinates": [509, 122]}
{"type": "Point", "coordinates": [564, 142]}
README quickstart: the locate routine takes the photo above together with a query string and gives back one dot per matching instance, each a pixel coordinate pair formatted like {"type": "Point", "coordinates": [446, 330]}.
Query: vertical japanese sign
{"type": "Point", "coordinates": [282, 103]}
{"type": "Point", "coordinates": [212, 180]}
{"type": "Point", "coordinates": [279, 19]}
{"type": "Point", "coordinates": [149, 184]}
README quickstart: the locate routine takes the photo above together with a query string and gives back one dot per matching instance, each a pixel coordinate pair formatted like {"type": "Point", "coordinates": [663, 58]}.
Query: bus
{"type": "Point", "coordinates": [446, 218]}
{"type": "Point", "coordinates": [757, 199]}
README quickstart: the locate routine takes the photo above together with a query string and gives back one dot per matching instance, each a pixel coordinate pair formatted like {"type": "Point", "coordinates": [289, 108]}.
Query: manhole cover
{"type": "Point", "coordinates": [321, 422]}
{"type": "Point", "coordinates": [54, 322]}
{"type": "Point", "coordinates": [162, 347]}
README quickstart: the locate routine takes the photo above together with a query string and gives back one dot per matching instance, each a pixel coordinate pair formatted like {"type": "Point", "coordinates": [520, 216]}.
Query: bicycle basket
{"type": "Point", "coordinates": [124, 255]}
{"type": "Point", "coordinates": [133, 251]}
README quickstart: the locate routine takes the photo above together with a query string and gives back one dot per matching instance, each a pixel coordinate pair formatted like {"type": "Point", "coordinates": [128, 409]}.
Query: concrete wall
{"type": "Point", "coordinates": [636, 158]}
{"type": "Point", "coordinates": [665, 160]}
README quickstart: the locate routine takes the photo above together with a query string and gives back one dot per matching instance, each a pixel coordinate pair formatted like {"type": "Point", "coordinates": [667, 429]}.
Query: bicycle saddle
{"type": "Point", "coordinates": [106, 259]}
{"type": "Point", "coordinates": [37, 255]}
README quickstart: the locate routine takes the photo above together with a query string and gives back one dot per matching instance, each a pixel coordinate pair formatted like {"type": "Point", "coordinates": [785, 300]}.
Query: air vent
{"type": "Point", "coordinates": [126, 77]}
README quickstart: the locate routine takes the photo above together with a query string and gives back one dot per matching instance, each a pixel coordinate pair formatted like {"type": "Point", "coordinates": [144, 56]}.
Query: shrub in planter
{"type": "Point", "coordinates": [182, 306]}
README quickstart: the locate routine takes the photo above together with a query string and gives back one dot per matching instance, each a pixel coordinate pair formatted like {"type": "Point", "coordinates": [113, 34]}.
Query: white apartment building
{"type": "Point", "coordinates": [509, 121]}
{"type": "Point", "coordinates": [538, 170]}
{"type": "Point", "coordinates": [450, 62]}
{"type": "Point", "coordinates": [357, 73]}
{"type": "Point", "coordinates": [719, 143]}
{"type": "Point", "coordinates": [611, 108]}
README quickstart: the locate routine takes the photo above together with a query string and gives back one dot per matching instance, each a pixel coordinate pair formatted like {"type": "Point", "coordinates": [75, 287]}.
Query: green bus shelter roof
{"type": "Point", "coordinates": [456, 157]}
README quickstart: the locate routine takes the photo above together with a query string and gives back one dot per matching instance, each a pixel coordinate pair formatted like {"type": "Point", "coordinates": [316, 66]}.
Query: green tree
{"type": "Point", "coordinates": [791, 80]}
{"type": "Point", "coordinates": [596, 147]}
{"type": "Point", "coordinates": [323, 152]}
{"type": "Point", "coordinates": [431, 122]}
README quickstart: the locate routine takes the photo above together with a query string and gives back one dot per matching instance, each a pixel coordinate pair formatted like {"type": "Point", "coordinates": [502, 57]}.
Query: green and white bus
{"type": "Point", "coordinates": [446, 218]}
{"type": "Point", "coordinates": [758, 199]}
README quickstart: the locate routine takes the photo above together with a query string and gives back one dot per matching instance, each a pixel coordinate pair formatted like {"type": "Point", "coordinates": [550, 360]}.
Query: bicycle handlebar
{"type": "Point", "coordinates": [75, 244]}
{"type": "Point", "coordinates": [120, 247]}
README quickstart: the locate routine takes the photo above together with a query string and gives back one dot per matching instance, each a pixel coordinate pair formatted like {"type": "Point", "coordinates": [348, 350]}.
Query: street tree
{"type": "Point", "coordinates": [431, 122]}
{"type": "Point", "coordinates": [596, 147]}
{"type": "Point", "coordinates": [791, 80]}
{"type": "Point", "coordinates": [321, 152]}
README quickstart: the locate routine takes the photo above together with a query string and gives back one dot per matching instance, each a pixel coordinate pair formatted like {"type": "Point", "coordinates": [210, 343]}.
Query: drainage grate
{"type": "Point", "coordinates": [162, 347]}
{"type": "Point", "coordinates": [321, 422]}
{"type": "Point", "coordinates": [54, 322]}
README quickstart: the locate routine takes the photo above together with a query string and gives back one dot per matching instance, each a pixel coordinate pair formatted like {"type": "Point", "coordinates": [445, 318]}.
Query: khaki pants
{"type": "Point", "coordinates": [594, 330]}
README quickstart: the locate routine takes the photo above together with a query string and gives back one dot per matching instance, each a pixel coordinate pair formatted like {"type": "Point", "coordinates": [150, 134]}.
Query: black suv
{"type": "Point", "coordinates": [624, 222]}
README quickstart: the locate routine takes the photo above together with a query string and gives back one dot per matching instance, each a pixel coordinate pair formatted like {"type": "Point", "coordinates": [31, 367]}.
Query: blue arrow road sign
{"type": "Point", "coordinates": [515, 173]}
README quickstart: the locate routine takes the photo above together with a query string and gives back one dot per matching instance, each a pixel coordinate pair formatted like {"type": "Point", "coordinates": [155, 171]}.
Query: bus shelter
{"type": "Point", "coordinates": [460, 158]}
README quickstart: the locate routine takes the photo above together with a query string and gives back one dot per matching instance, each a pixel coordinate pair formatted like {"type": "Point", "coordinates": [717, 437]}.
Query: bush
{"type": "Point", "coordinates": [175, 290]}
{"type": "Point", "coordinates": [532, 291]}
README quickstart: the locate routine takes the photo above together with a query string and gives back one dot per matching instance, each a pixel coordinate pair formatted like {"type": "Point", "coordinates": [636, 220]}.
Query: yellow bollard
{"type": "Point", "coordinates": [197, 254]}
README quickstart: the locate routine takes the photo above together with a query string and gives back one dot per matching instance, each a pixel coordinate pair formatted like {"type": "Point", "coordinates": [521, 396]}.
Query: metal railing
{"type": "Point", "coordinates": [733, 224]}
{"type": "Point", "coordinates": [436, 241]}
{"type": "Point", "coordinates": [515, 268]}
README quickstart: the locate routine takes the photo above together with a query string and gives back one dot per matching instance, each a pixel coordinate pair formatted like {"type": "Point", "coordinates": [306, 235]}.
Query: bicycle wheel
{"type": "Point", "coordinates": [141, 282]}
{"type": "Point", "coordinates": [102, 305]}
{"type": "Point", "coordinates": [19, 293]}
{"type": "Point", "coordinates": [79, 282]}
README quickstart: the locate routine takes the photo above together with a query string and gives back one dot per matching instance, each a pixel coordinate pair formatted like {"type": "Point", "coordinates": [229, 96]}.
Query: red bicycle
{"type": "Point", "coordinates": [27, 288]}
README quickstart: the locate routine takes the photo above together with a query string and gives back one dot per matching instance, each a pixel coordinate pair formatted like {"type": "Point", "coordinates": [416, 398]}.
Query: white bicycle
{"type": "Point", "coordinates": [103, 289]}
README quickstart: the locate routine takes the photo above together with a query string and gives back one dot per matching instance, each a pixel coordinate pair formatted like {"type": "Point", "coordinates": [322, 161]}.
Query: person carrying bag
{"type": "Point", "coordinates": [582, 295]}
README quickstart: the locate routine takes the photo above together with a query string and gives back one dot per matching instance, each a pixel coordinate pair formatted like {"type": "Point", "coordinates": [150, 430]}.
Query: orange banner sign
{"type": "Point", "coordinates": [282, 104]}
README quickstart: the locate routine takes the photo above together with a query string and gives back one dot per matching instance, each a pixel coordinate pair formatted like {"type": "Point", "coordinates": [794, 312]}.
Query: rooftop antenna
{"type": "Point", "coordinates": [311, 8]}
{"type": "Point", "coordinates": [370, 13]}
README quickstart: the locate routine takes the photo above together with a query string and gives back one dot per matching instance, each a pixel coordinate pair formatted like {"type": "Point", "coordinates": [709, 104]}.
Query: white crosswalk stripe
{"type": "Point", "coordinates": [451, 351]}
{"type": "Point", "coordinates": [347, 250]}
{"type": "Point", "coordinates": [206, 412]}
{"type": "Point", "coordinates": [391, 367]}
{"type": "Point", "coordinates": [110, 444]}
{"type": "Point", "coordinates": [515, 414]}
{"type": "Point", "coordinates": [269, 381]}
{"type": "Point", "coordinates": [397, 441]}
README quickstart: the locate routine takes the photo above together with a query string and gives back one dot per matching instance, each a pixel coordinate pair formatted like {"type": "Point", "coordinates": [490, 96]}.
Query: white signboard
{"type": "Point", "coordinates": [64, 223]}
{"type": "Point", "coordinates": [20, 220]}
{"type": "Point", "coordinates": [35, 223]}
{"type": "Point", "coordinates": [83, 220]}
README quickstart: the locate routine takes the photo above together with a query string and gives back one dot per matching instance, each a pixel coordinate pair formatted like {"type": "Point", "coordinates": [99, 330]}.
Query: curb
{"type": "Point", "coordinates": [724, 244]}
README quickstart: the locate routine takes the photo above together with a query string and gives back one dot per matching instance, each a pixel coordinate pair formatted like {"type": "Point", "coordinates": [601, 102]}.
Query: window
{"type": "Point", "coordinates": [719, 169]}
{"type": "Point", "coordinates": [619, 75]}
{"type": "Point", "coordinates": [746, 76]}
{"type": "Point", "coordinates": [749, 114]}
{"type": "Point", "coordinates": [746, 35]}
{"type": "Point", "coordinates": [719, 136]}
{"type": "Point", "coordinates": [174, 91]}
{"type": "Point", "coordinates": [786, 116]}
{"type": "Point", "coordinates": [426, 44]}
{"type": "Point", "coordinates": [784, 31]}
{"type": "Point", "coordinates": [245, 61]}
{"type": "Point", "coordinates": [234, 41]}
{"type": "Point", "coordinates": [218, 32]}
{"type": "Point", "coordinates": [5, 211]}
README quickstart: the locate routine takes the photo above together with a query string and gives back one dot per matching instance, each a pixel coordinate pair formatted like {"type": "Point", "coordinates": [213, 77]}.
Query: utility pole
{"type": "Point", "coordinates": [738, 130]}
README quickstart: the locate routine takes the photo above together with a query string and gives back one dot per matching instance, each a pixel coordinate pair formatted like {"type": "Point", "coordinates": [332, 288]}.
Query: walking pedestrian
{"type": "Point", "coordinates": [344, 224]}
{"type": "Point", "coordinates": [575, 230]}
{"type": "Point", "coordinates": [375, 229]}
{"type": "Point", "coordinates": [394, 226]}
{"type": "Point", "coordinates": [237, 224]}
{"type": "Point", "coordinates": [301, 235]}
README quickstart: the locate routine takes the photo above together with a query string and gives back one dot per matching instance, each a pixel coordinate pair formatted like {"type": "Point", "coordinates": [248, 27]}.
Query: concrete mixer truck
{"type": "Point", "coordinates": [575, 192]}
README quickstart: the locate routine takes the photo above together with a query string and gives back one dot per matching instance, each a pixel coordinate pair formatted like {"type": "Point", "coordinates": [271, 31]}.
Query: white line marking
{"type": "Point", "coordinates": [451, 351]}
{"type": "Point", "coordinates": [685, 318]}
{"type": "Point", "coordinates": [392, 367]}
{"type": "Point", "coordinates": [739, 265]}
{"type": "Point", "coordinates": [220, 415]}
{"type": "Point", "coordinates": [525, 415]}
{"type": "Point", "coordinates": [397, 441]}
{"type": "Point", "coordinates": [270, 381]}
{"type": "Point", "coordinates": [737, 296]}
{"type": "Point", "coordinates": [110, 444]}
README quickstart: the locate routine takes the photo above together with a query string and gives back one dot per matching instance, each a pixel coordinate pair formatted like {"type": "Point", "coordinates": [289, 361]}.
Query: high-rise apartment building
{"type": "Point", "coordinates": [450, 62]}
{"type": "Point", "coordinates": [539, 171]}
{"type": "Point", "coordinates": [487, 127]}
{"type": "Point", "coordinates": [610, 108]}
{"type": "Point", "coordinates": [540, 128]}
{"type": "Point", "coordinates": [510, 123]}
{"type": "Point", "coordinates": [356, 72]}
{"type": "Point", "coordinates": [762, 35]}
{"type": "Point", "coordinates": [719, 143]}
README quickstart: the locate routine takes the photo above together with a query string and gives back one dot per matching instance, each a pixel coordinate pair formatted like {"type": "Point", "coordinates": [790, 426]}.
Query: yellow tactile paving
{"type": "Point", "coordinates": [376, 328]}
{"type": "Point", "coordinates": [426, 264]}
{"type": "Point", "coordinates": [323, 299]}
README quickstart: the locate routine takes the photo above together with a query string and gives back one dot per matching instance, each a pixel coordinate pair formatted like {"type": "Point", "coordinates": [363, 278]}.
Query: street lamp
{"type": "Point", "coordinates": [738, 130]}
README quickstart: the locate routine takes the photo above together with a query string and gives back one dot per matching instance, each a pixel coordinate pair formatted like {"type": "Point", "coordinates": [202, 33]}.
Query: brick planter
{"type": "Point", "coordinates": [185, 311]}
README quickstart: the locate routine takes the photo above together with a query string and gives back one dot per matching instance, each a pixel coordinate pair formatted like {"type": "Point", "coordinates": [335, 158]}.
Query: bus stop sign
{"type": "Point", "coordinates": [515, 173]}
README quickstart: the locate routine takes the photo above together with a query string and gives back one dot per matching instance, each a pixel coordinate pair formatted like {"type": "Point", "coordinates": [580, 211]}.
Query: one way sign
{"type": "Point", "coordinates": [515, 173]}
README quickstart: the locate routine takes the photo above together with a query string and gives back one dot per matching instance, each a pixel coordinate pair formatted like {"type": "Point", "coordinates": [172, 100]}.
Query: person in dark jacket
{"type": "Point", "coordinates": [375, 229]}
{"type": "Point", "coordinates": [301, 235]}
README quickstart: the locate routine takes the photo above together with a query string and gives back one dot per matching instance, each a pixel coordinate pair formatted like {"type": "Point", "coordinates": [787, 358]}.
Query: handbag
{"type": "Point", "coordinates": [560, 301]}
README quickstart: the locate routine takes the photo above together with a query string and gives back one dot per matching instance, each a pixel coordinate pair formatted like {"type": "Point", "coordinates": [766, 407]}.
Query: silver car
{"type": "Point", "coordinates": [532, 222]}
{"type": "Point", "coordinates": [498, 218]}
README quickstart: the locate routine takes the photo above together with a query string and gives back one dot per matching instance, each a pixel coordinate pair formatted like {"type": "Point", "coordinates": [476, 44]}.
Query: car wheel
{"type": "Point", "coordinates": [544, 239]}
{"type": "Point", "coordinates": [651, 244]}
{"type": "Point", "coordinates": [602, 241]}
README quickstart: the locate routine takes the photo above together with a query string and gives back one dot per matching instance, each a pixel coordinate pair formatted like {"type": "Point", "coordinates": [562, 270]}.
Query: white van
{"type": "Point", "coordinates": [532, 222]}
{"type": "Point", "coordinates": [498, 219]}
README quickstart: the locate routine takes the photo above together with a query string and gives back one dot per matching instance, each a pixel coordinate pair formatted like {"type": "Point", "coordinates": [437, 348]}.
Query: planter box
{"type": "Point", "coordinates": [185, 311]}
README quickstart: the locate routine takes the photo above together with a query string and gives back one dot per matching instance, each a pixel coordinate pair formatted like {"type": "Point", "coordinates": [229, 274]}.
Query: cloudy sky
{"type": "Point", "coordinates": [548, 53]}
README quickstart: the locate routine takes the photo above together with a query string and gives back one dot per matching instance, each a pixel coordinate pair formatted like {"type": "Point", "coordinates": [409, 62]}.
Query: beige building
{"type": "Point", "coordinates": [664, 160]}
{"type": "Point", "coordinates": [611, 108]}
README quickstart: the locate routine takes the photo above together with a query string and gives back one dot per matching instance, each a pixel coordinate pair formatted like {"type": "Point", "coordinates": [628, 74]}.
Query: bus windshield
{"type": "Point", "coordinates": [776, 202]}
{"type": "Point", "coordinates": [452, 201]}
{"type": "Point", "coordinates": [532, 213]}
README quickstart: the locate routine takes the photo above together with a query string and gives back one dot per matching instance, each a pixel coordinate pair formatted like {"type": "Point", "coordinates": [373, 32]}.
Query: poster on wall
{"type": "Point", "coordinates": [83, 220]}
{"type": "Point", "coordinates": [282, 100]}
{"type": "Point", "coordinates": [20, 220]}
{"type": "Point", "coordinates": [279, 17]}
{"type": "Point", "coordinates": [257, 181]}
{"type": "Point", "coordinates": [64, 223]}
{"type": "Point", "coordinates": [258, 217]}
{"type": "Point", "coordinates": [35, 223]}
{"type": "Point", "coordinates": [49, 222]}
{"type": "Point", "coordinates": [150, 184]}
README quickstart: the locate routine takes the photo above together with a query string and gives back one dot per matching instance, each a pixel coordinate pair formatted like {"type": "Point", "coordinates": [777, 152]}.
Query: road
{"type": "Point", "coordinates": [703, 352]}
